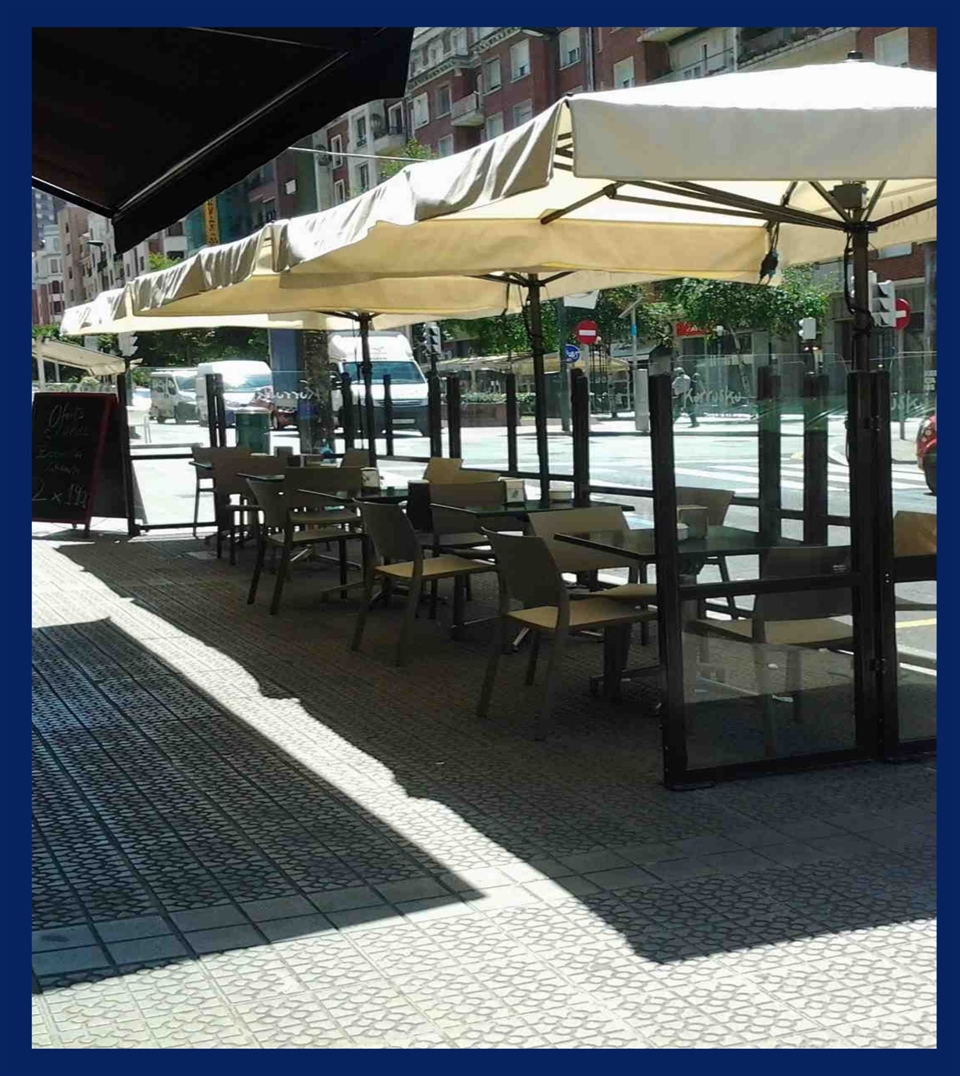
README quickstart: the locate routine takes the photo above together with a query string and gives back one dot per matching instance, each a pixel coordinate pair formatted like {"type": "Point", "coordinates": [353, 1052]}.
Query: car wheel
{"type": "Point", "coordinates": [179, 417]}
{"type": "Point", "coordinates": [161, 418]}
{"type": "Point", "coordinates": [930, 471]}
{"type": "Point", "coordinates": [423, 427]}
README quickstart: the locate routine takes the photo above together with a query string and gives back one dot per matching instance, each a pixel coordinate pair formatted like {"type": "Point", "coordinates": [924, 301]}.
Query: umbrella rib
{"type": "Point", "coordinates": [556, 276]}
{"type": "Point", "coordinates": [874, 198]}
{"type": "Point", "coordinates": [556, 214]}
{"type": "Point", "coordinates": [904, 213]}
{"type": "Point", "coordinates": [784, 214]}
{"type": "Point", "coordinates": [617, 197]}
{"type": "Point", "coordinates": [830, 200]}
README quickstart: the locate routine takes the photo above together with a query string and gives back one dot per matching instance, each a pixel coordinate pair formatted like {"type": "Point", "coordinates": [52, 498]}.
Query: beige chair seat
{"type": "Point", "coordinates": [785, 632]}
{"type": "Point", "coordinates": [634, 592]}
{"type": "Point", "coordinates": [436, 568]}
{"type": "Point", "coordinates": [314, 534]}
{"type": "Point", "coordinates": [328, 516]}
{"type": "Point", "coordinates": [586, 613]}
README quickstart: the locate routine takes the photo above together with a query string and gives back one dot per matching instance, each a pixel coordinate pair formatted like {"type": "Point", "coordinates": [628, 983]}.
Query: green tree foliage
{"type": "Point", "coordinates": [412, 149]}
{"type": "Point", "coordinates": [156, 262]}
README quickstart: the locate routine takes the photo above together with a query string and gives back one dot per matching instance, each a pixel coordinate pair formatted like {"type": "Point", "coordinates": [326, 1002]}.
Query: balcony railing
{"type": "Point", "coordinates": [751, 47]}
{"type": "Point", "coordinates": [468, 111]}
{"type": "Point", "coordinates": [718, 64]}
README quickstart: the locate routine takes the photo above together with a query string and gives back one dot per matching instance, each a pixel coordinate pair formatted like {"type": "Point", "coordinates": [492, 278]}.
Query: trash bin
{"type": "Point", "coordinates": [253, 428]}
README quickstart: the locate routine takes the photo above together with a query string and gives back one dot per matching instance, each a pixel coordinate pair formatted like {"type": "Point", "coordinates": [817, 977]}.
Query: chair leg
{"type": "Point", "coordinates": [725, 576]}
{"type": "Point", "coordinates": [409, 613]}
{"type": "Point", "coordinates": [281, 579]}
{"type": "Point", "coordinates": [459, 593]}
{"type": "Point", "coordinates": [761, 659]}
{"type": "Point", "coordinates": [218, 515]}
{"type": "Point", "coordinates": [795, 682]}
{"type": "Point", "coordinates": [616, 649]}
{"type": "Point", "coordinates": [532, 660]}
{"type": "Point", "coordinates": [542, 719]}
{"type": "Point", "coordinates": [233, 539]}
{"type": "Point", "coordinates": [343, 565]}
{"type": "Point", "coordinates": [369, 583]}
{"type": "Point", "coordinates": [258, 568]}
{"type": "Point", "coordinates": [196, 507]}
{"type": "Point", "coordinates": [493, 662]}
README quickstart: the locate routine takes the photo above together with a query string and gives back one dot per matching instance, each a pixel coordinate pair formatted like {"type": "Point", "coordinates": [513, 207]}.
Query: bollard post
{"type": "Point", "coordinates": [815, 431]}
{"type": "Point", "coordinates": [434, 413]}
{"type": "Point", "coordinates": [212, 428]}
{"type": "Point", "coordinates": [453, 417]}
{"type": "Point", "coordinates": [513, 421]}
{"type": "Point", "coordinates": [347, 412]}
{"type": "Point", "coordinates": [580, 426]}
{"type": "Point", "coordinates": [221, 410]}
{"type": "Point", "coordinates": [768, 453]}
{"type": "Point", "coordinates": [388, 412]}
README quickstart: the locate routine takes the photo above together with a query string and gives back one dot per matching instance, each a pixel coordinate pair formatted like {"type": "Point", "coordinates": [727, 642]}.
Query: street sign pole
{"type": "Point", "coordinates": [564, 366]}
{"type": "Point", "coordinates": [901, 387]}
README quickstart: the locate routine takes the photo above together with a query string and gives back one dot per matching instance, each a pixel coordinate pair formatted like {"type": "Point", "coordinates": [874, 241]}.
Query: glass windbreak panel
{"type": "Point", "coordinates": [774, 677]}
{"type": "Point", "coordinates": [913, 441]}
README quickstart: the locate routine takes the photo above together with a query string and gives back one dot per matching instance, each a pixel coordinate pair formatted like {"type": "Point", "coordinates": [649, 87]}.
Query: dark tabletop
{"type": "Point", "coordinates": [385, 495]}
{"type": "Point", "coordinates": [525, 508]}
{"type": "Point", "coordinates": [639, 543]}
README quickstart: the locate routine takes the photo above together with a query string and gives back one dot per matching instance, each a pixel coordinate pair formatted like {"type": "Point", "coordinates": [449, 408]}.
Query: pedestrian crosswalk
{"type": "Point", "coordinates": [744, 477]}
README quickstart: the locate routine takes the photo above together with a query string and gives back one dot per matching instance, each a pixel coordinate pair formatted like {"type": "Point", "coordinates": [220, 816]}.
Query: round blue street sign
{"type": "Point", "coordinates": [571, 353]}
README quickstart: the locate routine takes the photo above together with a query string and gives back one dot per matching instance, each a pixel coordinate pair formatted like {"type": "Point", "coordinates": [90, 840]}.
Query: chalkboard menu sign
{"type": "Point", "coordinates": [77, 466]}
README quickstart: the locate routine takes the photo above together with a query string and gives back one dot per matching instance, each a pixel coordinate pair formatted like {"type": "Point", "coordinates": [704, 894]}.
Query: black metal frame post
{"type": "Point", "coordinates": [535, 326]}
{"type": "Point", "coordinates": [454, 439]}
{"type": "Point", "coordinates": [347, 417]}
{"type": "Point", "coordinates": [212, 428]}
{"type": "Point", "coordinates": [513, 421]}
{"type": "Point", "coordinates": [580, 426]}
{"type": "Point", "coordinates": [815, 433]}
{"type": "Point", "coordinates": [388, 412]}
{"type": "Point", "coordinates": [221, 410]}
{"type": "Point", "coordinates": [673, 729]}
{"type": "Point", "coordinates": [434, 413]}
{"type": "Point", "coordinates": [126, 457]}
{"type": "Point", "coordinates": [862, 321]}
{"type": "Point", "coordinates": [366, 370]}
{"type": "Point", "coordinates": [769, 453]}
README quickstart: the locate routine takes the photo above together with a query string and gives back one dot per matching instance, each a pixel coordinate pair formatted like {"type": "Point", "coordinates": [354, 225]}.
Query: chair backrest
{"type": "Point", "coordinates": [441, 469]}
{"type": "Point", "coordinates": [392, 534]}
{"type": "Point", "coordinates": [327, 479]}
{"type": "Point", "coordinates": [462, 494]}
{"type": "Point", "coordinates": [914, 534]}
{"type": "Point", "coordinates": [203, 454]}
{"type": "Point", "coordinates": [604, 517]}
{"type": "Point", "coordinates": [226, 480]}
{"type": "Point", "coordinates": [527, 570]}
{"type": "Point", "coordinates": [808, 604]}
{"type": "Point", "coordinates": [356, 457]}
{"type": "Point", "coordinates": [271, 499]}
{"type": "Point", "coordinates": [418, 506]}
{"type": "Point", "coordinates": [469, 477]}
{"type": "Point", "coordinates": [716, 501]}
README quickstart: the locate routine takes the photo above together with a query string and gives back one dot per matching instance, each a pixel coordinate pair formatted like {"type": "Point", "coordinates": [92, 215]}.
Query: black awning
{"type": "Point", "coordinates": [144, 124]}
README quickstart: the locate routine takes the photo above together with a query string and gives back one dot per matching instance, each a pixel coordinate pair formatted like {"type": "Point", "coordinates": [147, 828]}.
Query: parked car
{"type": "Point", "coordinates": [173, 394]}
{"type": "Point", "coordinates": [140, 399]}
{"type": "Point", "coordinates": [390, 353]}
{"type": "Point", "coordinates": [281, 405]}
{"type": "Point", "coordinates": [242, 380]}
{"type": "Point", "coordinates": [927, 450]}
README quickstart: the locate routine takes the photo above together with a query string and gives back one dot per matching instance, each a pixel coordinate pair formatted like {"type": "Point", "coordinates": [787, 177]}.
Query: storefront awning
{"type": "Point", "coordinates": [144, 124]}
{"type": "Point", "coordinates": [82, 358]}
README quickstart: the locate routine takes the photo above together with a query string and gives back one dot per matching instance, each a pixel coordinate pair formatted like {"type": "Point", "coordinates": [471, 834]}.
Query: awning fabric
{"type": "Point", "coordinates": [144, 124]}
{"type": "Point", "coordinates": [80, 357]}
{"type": "Point", "coordinates": [765, 135]}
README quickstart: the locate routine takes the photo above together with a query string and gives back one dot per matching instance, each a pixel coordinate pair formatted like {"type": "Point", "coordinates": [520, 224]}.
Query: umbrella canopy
{"type": "Point", "coordinates": [80, 357]}
{"type": "Point", "coordinates": [616, 181]}
{"type": "Point", "coordinates": [242, 278]}
{"type": "Point", "coordinates": [194, 108]}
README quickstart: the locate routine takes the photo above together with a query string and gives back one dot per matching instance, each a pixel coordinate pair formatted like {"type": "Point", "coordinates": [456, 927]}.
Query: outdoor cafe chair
{"type": "Point", "coordinates": [914, 535]}
{"type": "Point", "coordinates": [529, 575]}
{"type": "Point", "coordinates": [442, 469]}
{"type": "Point", "coordinates": [356, 457]}
{"type": "Point", "coordinates": [204, 455]}
{"type": "Point", "coordinates": [396, 546]}
{"type": "Point", "coordinates": [291, 521]}
{"type": "Point", "coordinates": [717, 503]}
{"type": "Point", "coordinates": [227, 483]}
{"type": "Point", "coordinates": [787, 622]}
{"type": "Point", "coordinates": [419, 496]}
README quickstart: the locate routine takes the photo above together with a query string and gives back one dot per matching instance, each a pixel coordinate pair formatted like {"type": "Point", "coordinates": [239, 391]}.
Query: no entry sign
{"type": "Point", "coordinates": [587, 332]}
{"type": "Point", "coordinates": [903, 313]}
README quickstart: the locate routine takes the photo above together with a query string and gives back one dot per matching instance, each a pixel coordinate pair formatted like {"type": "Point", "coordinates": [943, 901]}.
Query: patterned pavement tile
{"type": "Point", "coordinates": [210, 1026]}
{"type": "Point", "coordinates": [915, 1030]}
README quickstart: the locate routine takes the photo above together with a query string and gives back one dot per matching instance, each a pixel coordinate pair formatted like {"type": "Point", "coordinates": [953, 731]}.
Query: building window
{"type": "Point", "coordinates": [893, 49]}
{"type": "Point", "coordinates": [421, 110]}
{"type": "Point", "coordinates": [54, 265]}
{"type": "Point", "coordinates": [269, 210]}
{"type": "Point", "coordinates": [395, 119]}
{"type": "Point", "coordinates": [339, 191]}
{"type": "Point", "coordinates": [519, 60]}
{"type": "Point", "coordinates": [522, 112]}
{"type": "Point", "coordinates": [336, 150]}
{"type": "Point", "coordinates": [623, 74]}
{"type": "Point", "coordinates": [491, 76]}
{"type": "Point", "coordinates": [570, 46]}
{"type": "Point", "coordinates": [290, 187]}
{"type": "Point", "coordinates": [360, 128]}
{"type": "Point", "coordinates": [460, 41]}
{"type": "Point", "coordinates": [485, 31]}
{"type": "Point", "coordinates": [363, 176]}
{"type": "Point", "coordinates": [445, 146]}
{"type": "Point", "coordinates": [493, 126]}
{"type": "Point", "coordinates": [443, 101]}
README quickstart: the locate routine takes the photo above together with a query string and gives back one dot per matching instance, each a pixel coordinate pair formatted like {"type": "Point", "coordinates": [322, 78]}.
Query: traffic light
{"type": "Point", "coordinates": [883, 301]}
{"type": "Point", "coordinates": [807, 328]}
{"type": "Point", "coordinates": [431, 341]}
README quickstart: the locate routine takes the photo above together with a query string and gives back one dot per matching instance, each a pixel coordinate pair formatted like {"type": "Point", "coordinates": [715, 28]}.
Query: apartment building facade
{"type": "Point", "coordinates": [47, 278]}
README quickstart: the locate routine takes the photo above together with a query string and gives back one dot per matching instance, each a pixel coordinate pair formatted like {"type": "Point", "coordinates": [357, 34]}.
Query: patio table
{"type": "Point", "coordinates": [522, 509]}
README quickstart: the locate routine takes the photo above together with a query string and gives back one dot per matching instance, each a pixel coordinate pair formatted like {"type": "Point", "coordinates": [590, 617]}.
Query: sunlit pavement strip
{"type": "Point", "coordinates": [246, 837]}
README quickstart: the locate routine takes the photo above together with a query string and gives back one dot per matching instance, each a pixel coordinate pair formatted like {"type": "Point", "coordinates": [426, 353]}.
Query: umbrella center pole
{"type": "Point", "coordinates": [366, 370]}
{"type": "Point", "coordinates": [535, 330]}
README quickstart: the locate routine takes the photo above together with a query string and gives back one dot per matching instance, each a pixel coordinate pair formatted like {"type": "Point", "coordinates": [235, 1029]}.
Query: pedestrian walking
{"type": "Point", "coordinates": [692, 394]}
{"type": "Point", "coordinates": [680, 385]}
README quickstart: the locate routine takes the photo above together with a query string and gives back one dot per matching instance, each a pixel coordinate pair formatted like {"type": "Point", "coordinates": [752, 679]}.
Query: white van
{"type": "Point", "coordinates": [173, 394]}
{"type": "Point", "coordinates": [243, 379]}
{"type": "Point", "coordinates": [390, 353]}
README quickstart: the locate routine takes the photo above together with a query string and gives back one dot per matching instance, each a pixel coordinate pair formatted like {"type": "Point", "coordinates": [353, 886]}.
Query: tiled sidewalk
{"type": "Point", "coordinates": [245, 836]}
